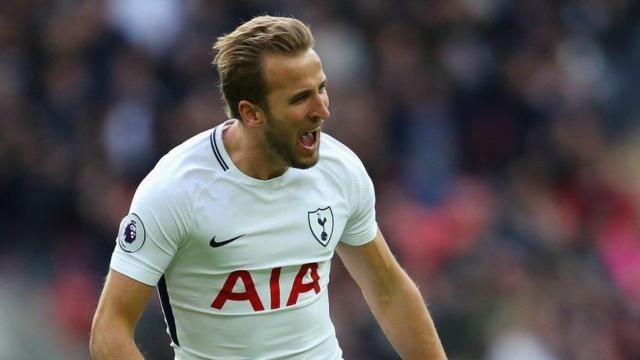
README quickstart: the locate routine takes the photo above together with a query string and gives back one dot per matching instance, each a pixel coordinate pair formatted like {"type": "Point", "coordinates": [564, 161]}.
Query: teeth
{"type": "Point", "coordinates": [307, 138]}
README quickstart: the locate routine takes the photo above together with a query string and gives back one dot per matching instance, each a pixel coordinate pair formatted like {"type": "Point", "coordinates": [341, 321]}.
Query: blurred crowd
{"type": "Point", "coordinates": [503, 138]}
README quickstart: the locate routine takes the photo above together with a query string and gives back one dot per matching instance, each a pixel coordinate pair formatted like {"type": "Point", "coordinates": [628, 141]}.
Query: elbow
{"type": "Point", "coordinates": [383, 293]}
{"type": "Point", "coordinates": [394, 288]}
{"type": "Point", "coordinates": [98, 340]}
{"type": "Point", "coordinates": [110, 339]}
{"type": "Point", "coordinates": [95, 341]}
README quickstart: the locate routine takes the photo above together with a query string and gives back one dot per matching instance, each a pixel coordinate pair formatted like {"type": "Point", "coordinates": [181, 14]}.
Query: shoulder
{"type": "Point", "coordinates": [344, 168]}
{"type": "Point", "coordinates": [354, 181]}
{"type": "Point", "coordinates": [182, 171]}
{"type": "Point", "coordinates": [339, 157]}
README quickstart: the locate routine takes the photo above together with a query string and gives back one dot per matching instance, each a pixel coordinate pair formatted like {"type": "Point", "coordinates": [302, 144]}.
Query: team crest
{"type": "Point", "coordinates": [321, 224]}
{"type": "Point", "coordinates": [131, 235]}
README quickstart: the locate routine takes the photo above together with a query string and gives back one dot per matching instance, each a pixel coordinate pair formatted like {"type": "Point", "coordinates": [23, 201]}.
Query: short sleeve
{"type": "Point", "coordinates": [361, 226]}
{"type": "Point", "coordinates": [151, 233]}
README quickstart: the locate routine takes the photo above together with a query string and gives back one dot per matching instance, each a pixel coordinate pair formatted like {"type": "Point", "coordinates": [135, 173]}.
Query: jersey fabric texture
{"type": "Point", "coordinates": [242, 265]}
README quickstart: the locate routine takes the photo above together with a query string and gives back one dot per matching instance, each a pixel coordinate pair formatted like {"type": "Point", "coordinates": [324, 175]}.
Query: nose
{"type": "Point", "coordinates": [320, 107]}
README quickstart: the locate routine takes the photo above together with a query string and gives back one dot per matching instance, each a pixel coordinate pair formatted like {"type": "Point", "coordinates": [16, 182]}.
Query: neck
{"type": "Point", "coordinates": [249, 154]}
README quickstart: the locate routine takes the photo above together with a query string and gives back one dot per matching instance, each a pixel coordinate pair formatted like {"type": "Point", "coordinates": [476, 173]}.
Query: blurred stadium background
{"type": "Point", "coordinates": [503, 137]}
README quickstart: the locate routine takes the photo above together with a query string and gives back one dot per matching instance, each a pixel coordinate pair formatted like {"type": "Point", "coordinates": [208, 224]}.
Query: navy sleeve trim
{"type": "Point", "coordinates": [167, 310]}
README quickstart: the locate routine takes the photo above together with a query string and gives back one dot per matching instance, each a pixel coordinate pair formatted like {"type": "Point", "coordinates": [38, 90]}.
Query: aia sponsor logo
{"type": "Point", "coordinates": [300, 286]}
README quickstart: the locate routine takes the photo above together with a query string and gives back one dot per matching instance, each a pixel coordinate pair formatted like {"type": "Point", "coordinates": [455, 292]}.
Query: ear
{"type": "Point", "coordinates": [252, 115]}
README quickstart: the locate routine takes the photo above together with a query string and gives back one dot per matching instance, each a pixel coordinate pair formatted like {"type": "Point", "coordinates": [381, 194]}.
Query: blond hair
{"type": "Point", "coordinates": [238, 56]}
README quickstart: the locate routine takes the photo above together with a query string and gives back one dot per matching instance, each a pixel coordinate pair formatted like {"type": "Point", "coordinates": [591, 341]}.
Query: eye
{"type": "Point", "coordinates": [299, 98]}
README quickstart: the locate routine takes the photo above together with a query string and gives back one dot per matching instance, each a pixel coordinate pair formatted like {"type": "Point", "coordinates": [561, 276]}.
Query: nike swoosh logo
{"type": "Point", "coordinates": [215, 244]}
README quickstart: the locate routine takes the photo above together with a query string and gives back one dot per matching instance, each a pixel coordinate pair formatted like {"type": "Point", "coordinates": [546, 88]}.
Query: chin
{"type": "Point", "coordinates": [305, 163]}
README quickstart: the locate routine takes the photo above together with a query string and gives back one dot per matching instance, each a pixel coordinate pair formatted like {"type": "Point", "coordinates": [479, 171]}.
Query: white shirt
{"type": "Point", "coordinates": [241, 264]}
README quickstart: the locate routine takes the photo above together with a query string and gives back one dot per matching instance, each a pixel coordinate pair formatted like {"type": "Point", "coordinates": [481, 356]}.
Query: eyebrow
{"type": "Point", "coordinates": [305, 93]}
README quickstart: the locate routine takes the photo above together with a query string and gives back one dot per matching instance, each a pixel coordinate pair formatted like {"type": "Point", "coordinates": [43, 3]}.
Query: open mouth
{"type": "Point", "coordinates": [309, 139]}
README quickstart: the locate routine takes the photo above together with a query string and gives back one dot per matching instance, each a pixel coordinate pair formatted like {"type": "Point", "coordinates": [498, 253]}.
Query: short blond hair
{"type": "Point", "coordinates": [238, 56]}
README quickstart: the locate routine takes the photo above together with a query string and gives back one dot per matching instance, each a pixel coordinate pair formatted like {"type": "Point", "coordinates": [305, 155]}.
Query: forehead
{"type": "Point", "coordinates": [285, 74]}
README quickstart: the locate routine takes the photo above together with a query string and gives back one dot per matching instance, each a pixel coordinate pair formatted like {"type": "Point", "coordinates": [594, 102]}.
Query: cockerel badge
{"type": "Point", "coordinates": [321, 224]}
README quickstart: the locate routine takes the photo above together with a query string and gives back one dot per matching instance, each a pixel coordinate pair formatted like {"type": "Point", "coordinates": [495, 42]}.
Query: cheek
{"type": "Point", "coordinates": [293, 118]}
{"type": "Point", "coordinates": [283, 128]}
{"type": "Point", "coordinates": [288, 123]}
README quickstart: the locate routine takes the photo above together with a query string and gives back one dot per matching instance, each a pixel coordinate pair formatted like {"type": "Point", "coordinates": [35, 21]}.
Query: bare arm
{"type": "Point", "coordinates": [119, 309]}
{"type": "Point", "coordinates": [394, 299]}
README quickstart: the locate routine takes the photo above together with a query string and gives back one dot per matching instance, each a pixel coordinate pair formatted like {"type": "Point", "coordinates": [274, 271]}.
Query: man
{"type": "Point", "coordinates": [237, 226]}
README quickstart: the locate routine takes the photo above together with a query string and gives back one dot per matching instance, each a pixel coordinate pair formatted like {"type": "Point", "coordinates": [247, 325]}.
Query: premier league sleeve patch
{"type": "Point", "coordinates": [131, 235]}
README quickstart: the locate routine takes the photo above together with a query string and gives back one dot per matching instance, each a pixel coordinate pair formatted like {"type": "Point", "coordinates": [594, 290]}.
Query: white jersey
{"type": "Point", "coordinates": [241, 264]}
